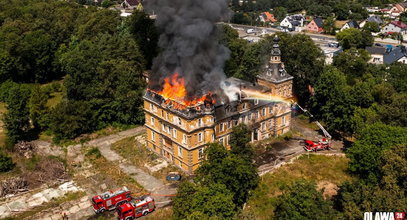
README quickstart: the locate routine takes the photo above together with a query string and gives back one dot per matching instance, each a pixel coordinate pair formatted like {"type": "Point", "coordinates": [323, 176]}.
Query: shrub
{"type": "Point", "coordinates": [6, 163]}
{"type": "Point", "coordinates": [94, 151]}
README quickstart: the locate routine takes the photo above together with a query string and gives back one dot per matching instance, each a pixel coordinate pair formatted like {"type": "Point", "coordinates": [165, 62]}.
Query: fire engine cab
{"type": "Point", "coordinates": [110, 200]}
{"type": "Point", "coordinates": [322, 144]}
{"type": "Point", "coordinates": [139, 207]}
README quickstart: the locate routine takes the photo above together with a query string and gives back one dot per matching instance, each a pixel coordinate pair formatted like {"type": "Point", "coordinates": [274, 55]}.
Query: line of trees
{"type": "Point", "coordinates": [92, 57]}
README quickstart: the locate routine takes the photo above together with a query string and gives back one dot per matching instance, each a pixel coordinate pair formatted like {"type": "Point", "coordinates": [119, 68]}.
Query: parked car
{"type": "Point", "coordinates": [250, 31]}
{"type": "Point", "coordinates": [333, 44]}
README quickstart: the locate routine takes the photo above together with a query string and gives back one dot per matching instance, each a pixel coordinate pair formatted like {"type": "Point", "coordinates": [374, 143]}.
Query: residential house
{"type": "Point", "coordinates": [395, 27]}
{"type": "Point", "coordinates": [293, 22]}
{"type": "Point", "coordinates": [316, 25]}
{"type": "Point", "coordinates": [377, 54]}
{"type": "Point", "coordinates": [398, 8]}
{"type": "Point", "coordinates": [350, 24]}
{"type": "Point", "coordinates": [374, 19]}
{"type": "Point", "coordinates": [387, 55]}
{"type": "Point", "coordinates": [398, 54]}
{"type": "Point", "coordinates": [267, 17]}
{"type": "Point", "coordinates": [372, 9]}
{"type": "Point", "coordinates": [130, 4]}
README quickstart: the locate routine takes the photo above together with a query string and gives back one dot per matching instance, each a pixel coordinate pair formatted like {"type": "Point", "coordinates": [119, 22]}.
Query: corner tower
{"type": "Point", "coordinates": [274, 75]}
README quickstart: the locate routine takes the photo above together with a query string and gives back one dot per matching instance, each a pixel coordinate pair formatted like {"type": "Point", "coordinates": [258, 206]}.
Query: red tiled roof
{"type": "Point", "coordinates": [269, 16]}
{"type": "Point", "coordinates": [132, 2]}
{"type": "Point", "coordinates": [399, 24]}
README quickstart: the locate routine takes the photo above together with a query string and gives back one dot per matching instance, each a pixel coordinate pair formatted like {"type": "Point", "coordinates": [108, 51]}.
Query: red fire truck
{"type": "Point", "coordinates": [110, 200]}
{"type": "Point", "coordinates": [138, 207]}
{"type": "Point", "coordinates": [322, 144]}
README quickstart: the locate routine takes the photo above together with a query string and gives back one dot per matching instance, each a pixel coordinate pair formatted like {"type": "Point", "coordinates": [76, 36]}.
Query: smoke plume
{"type": "Point", "coordinates": [189, 43]}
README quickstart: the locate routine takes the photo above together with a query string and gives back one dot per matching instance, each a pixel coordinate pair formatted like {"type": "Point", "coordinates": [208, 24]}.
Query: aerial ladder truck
{"type": "Point", "coordinates": [322, 144]}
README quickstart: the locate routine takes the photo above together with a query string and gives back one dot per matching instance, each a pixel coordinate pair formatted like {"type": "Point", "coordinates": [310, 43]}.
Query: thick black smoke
{"type": "Point", "coordinates": [189, 43]}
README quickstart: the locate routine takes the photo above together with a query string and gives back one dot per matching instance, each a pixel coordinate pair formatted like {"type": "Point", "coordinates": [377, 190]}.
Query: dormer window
{"type": "Point", "coordinates": [281, 72]}
{"type": "Point", "coordinates": [256, 101]}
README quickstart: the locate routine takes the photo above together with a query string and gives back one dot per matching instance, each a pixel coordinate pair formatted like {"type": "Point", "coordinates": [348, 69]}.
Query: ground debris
{"type": "Point", "coordinates": [13, 186]}
{"type": "Point", "coordinates": [46, 171]}
{"type": "Point", "coordinates": [25, 148]}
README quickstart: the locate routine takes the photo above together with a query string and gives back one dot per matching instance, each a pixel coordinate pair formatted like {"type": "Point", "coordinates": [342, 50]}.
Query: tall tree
{"type": "Point", "coordinates": [280, 13]}
{"type": "Point", "coordinates": [69, 119]}
{"type": "Point", "coordinates": [332, 101]}
{"type": "Point", "coordinates": [367, 152]}
{"type": "Point", "coordinates": [240, 142]}
{"type": "Point", "coordinates": [221, 167]}
{"type": "Point", "coordinates": [212, 201]}
{"type": "Point", "coordinates": [303, 201]}
{"type": "Point", "coordinates": [17, 118]}
{"type": "Point", "coordinates": [37, 107]}
{"type": "Point", "coordinates": [329, 25]}
{"type": "Point", "coordinates": [353, 62]}
{"type": "Point", "coordinates": [353, 37]}
{"type": "Point", "coordinates": [144, 32]}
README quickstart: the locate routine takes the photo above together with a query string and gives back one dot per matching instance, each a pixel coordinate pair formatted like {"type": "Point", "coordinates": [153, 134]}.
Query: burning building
{"type": "Point", "coordinates": [179, 126]}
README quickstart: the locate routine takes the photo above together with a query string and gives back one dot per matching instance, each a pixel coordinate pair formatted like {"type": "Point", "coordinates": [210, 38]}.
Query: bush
{"type": "Point", "coordinates": [6, 163]}
{"type": "Point", "coordinates": [69, 119]}
{"type": "Point", "coordinates": [94, 151]}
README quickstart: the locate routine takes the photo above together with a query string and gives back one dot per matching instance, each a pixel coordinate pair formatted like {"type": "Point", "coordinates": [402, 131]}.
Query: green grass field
{"type": "Point", "coordinates": [327, 171]}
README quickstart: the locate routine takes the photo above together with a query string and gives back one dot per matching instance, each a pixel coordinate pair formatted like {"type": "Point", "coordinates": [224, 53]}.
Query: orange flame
{"type": "Point", "coordinates": [174, 92]}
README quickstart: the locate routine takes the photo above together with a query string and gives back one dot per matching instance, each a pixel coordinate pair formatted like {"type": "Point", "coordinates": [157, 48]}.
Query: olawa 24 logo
{"type": "Point", "coordinates": [384, 216]}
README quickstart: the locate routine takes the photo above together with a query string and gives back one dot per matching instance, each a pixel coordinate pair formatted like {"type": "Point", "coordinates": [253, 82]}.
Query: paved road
{"type": "Point", "coordinates": [81, 208]}
{"type": "Point", "coordinates": [320, 39]}
{"type": "Point", "coordinates": [27, 201]}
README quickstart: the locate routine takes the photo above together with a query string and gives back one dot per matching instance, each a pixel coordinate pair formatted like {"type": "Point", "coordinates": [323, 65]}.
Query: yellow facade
{"type": "Point", "coordinates": [182, 141]}
{"type": "Point", "coordinates": [181, 138]}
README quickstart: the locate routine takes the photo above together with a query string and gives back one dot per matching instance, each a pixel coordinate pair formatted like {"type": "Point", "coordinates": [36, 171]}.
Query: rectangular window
{"type": "Point", "coordinates": [270, 123]}
{"type": "Point", "coordinates": [169, 130]}
{"type": "Point", "coordinates": [163, 127]}
{"type": "Point", "coordinates": [263, 126]}
{"type": "Point", "coordinates": [270, 109]}
{"type": "Point", "coordinates": [256, 101]}
{"type": "Point", "coordinates": [263, 112]}
{"type": "Point", "coordinates": [200, 153]}
{"type": "Point", "coordinates": [168, 116]}
{"type": "Point", "coordinates": [230, 124]}
{"type": "Point", "coordinates": [184, 139]}
{"type": "Point", "coordinates": [152, 120]}
{"type": "Point", "coordinates": [200, 137]}
{"type": "Point", "coordinates": [221, 127]}
{"type": "Point", "coordinates": [250, 116]}
{"type": "Point", "coordinates": [283, 121]}
{"type": "Point", "coordinates": [179, 121]}
{"type": "Point", "coordinates": [162, 113]}
{"type": "Point", "coordinates": [174, 133]}
{"type": "Point", "coordinates": [153, 135]}
{"type": "Point", "coordinates": [258, 114]}
{"type": "Point", "coordinates": [152, 108]}
{"type": "Point", "coordinates": [179, 151]}
{"type": "Point", "coordinates": [221, 141]}
{"type": "Point", "coordinates": [199, 122]}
